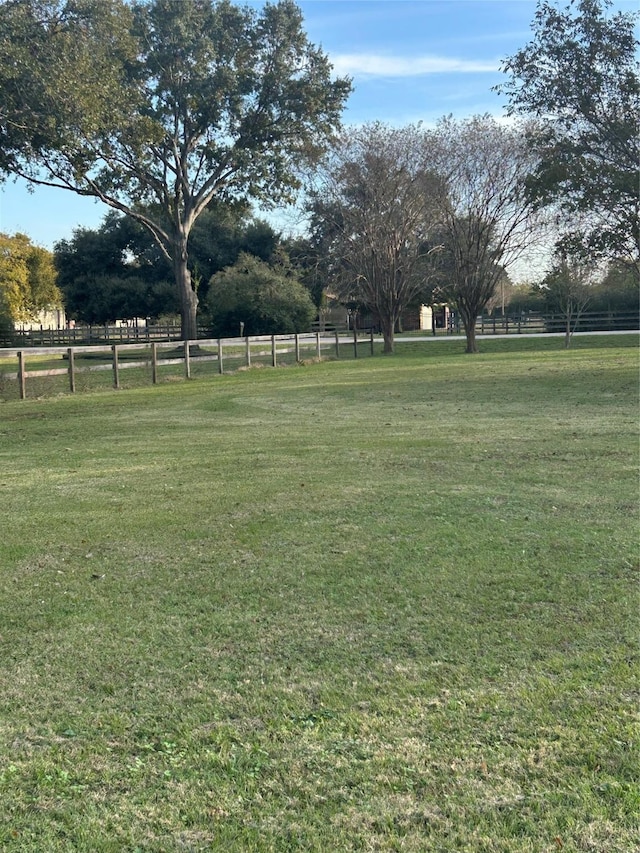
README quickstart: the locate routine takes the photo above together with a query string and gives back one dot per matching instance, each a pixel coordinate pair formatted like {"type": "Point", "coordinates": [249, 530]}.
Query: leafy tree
{"type": "Point", "coordinates": [113, 273]}
{"type": "Point", "coordinates": [486, 223]}
{"type": "Point", "coordinates": [579, 78]}
{"type": "Point", "coordinates": [258, 298]}
{"type": "Point", "coordinates": [97, 266]}
{"type": "Point", "coordinates": [106, 298]}
{"type": "Point", "coordinates": [43, 290]}
{"type": "Point", "coordinates": [27, 278]}
{"type": "Point", "coordinates": [157, 107]}
{"type": "Point", "coordinates": [14, 278]}
{"type": "Point", "coordinates": [372, 214]}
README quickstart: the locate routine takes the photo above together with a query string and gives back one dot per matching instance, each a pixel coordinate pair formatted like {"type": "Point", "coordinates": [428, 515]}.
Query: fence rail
{"type": "Point", "coordinates": [611, 321]}
{"type": "Point", "coordinates": [487, 324]}
{"type": "Point", "coordinates": [226, 353]}
{"type": "Point", "coordinates": [95, 335]}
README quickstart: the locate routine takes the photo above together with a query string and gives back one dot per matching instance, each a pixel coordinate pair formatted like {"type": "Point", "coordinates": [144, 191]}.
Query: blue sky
{"type": "Point", "coordinates": [410, 60]}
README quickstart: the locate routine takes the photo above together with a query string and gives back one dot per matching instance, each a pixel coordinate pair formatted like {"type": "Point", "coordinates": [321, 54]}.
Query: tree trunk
{"type": "Point", "coordinates": [567, 331]}
{"type": "Point", "coordinates": [387, 328]}
{"type": "Point", "coordinates": [469, 322]}
{"type": "Point", "coordinates": [188, 296]}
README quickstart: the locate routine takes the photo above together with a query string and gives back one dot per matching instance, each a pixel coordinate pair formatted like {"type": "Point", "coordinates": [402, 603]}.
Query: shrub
{"type": "Point", "coordinates": [260, 299]}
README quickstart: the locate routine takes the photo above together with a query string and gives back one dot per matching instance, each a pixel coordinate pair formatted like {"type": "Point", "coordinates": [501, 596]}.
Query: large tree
{"type": "Point", "coordinates": [578, 77]}
{"type": "Point", "coordinates": [372, 213]}
{"type": "Point", "coordinates": [156, 107]}
{"type": "Point", "coordinates": [27, 279]}
{"type": "Point", "coordinates": [486, 221]}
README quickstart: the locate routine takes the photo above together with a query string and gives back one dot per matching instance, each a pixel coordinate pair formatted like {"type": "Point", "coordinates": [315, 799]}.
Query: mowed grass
{"type": "Point", "coordinates": [388, 604]}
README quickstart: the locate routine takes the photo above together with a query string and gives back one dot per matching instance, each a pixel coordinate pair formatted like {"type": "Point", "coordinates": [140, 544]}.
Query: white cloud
{"type": "Point", "coordinates": [378, 65]}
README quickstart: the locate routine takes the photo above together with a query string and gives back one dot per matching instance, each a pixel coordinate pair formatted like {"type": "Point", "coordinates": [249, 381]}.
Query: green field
{"type": "Point", "coordinates": [379, 605]}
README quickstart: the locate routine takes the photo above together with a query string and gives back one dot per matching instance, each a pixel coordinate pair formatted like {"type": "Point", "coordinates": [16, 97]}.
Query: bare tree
{"type": "Point", "coordinates": [372, 212]}
{"type": "Point", "coordinates": [486, 221]}
{"type": "Point", "coordinates": [568, 287]}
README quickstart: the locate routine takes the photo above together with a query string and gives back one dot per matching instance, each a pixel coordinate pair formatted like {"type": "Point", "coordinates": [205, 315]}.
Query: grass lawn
{"type": "Point", "coordinates": [379, 605]}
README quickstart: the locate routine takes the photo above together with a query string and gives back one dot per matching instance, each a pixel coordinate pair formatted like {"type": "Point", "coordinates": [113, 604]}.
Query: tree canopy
{"type": "Point", "coordinates": [578, 77]}
{"type": "Point", "coordinates": [27, 279]}
{"type": "Point", "coordinates": [117, 272]}
{"type": "Point", "coordinates": [157, 107]}
{"type": "Point", "coordinates": [486, 222]}
{"type": "Point", "coordinates": [255, 298]}
{"type": "Point", "coordinates": [372, 212]}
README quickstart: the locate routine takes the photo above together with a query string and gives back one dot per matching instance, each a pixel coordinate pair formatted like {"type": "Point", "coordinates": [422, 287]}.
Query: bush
{"type": "Point", "coordinates": [260, 299]}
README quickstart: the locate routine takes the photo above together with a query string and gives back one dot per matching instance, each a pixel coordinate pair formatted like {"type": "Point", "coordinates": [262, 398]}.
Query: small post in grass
{"type": "Point", "coordinates": [72, 371]}
{"type": "Point", "coordinates": [116, 367]}
{"type": "Point", "coordinates": [22, 376]}
{"type": "Point", "coordinates": [248, 351]}
{"type": "Point", "coordinates": [318, 352]}
{"type": "Point", "coordinates": [274, 359]}
{"type": "Point", "coordinates": [154, 363]}
{"type": "Point", "coordinates": [337, 344]}
{"type": "Point", "coordinates": [220, 365]}
{"type": "Point", "coordinates": [372, 340]}
{"type": "Point", "coordinates": [355, 341]}
{"type": "Point", "coordinates": [297, 340]}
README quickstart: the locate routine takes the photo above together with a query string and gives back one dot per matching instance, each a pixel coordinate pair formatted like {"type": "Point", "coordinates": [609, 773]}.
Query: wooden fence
{"type": "Point", "coordinates": [525, 322]}
{"type": "Point", "coordinates": [236, 352]}
{"type": "Point", "coordinates": [89, 335]}
{"type": "Point", "coordinates": [589, 321]}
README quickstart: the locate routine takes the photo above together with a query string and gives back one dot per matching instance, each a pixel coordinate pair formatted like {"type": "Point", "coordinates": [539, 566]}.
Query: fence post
{"type": "Point", "coordinates": [22, 379]}
{"type": "Point", "coordinates": [220, 366]}
{"type": "Point", "coordinates": [355, 341]}
{"type": "Point", "coordinates": [116, 372]}
{"type": "Point", "coordinates": [337, 344]}
{"type": "Point", "coordinates": [72, 371]}
{"type": "Point", "coordinates": [274, 359]}
{"type": "Point", "coordinates": [506, 324]}
{"type": "Point", "coordinates": [318, 350]}
{"type": "Point", "coordinates": [154, 362]}
{"type": "Point", "coordinates": [187, 362]}
{"type": "Point", "coordinates": [372, 340]}
{"type": "Point", "coordinates": [297, 340]}
{"type": "Point", "coordinates": [248, 351]}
